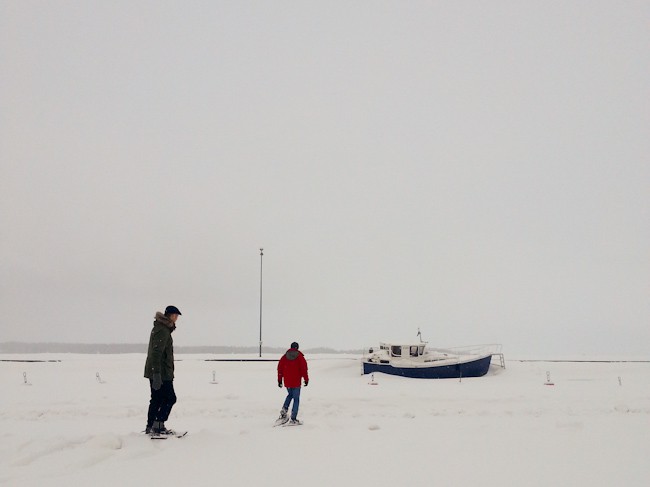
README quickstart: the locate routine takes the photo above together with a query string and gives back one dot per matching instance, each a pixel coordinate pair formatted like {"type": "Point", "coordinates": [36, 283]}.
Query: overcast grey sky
{"type": "Point", "coordinates": [476, 169]}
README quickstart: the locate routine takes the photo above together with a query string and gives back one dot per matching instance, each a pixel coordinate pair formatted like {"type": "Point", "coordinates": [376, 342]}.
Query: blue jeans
{"type": "Point", "coordinates": [292, 393]}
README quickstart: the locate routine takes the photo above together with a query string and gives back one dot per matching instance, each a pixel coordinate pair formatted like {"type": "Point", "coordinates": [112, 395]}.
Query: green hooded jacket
{"type": "Point", "coordinates": [160, 356]}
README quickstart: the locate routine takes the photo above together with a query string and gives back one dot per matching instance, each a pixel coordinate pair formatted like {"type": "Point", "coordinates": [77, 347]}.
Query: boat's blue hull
{"type": "Point", "coordinates": [475, 368]}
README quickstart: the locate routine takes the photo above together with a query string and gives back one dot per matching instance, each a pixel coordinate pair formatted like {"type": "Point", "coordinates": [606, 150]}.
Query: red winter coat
{"type": "Point", "coordinates": [292, 367]}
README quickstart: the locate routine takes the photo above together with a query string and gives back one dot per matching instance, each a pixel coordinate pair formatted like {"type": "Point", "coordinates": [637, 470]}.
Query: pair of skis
{"type": "Point", "coordinates": [173, 434]}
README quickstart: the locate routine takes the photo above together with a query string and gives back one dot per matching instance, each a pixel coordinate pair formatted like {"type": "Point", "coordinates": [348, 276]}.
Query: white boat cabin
{"type": "Point", "coordinates": [414, 350]}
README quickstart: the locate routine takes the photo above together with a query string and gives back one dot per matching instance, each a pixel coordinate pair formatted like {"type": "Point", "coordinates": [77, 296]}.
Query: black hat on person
{"type": "Point", "coordinates": [294, 345]}
{"type": "Point", "coordinates": [172, 310]}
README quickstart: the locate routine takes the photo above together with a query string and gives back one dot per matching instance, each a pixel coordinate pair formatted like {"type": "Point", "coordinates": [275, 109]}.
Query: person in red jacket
{"type": "Point", "coordinates": [292, 367]}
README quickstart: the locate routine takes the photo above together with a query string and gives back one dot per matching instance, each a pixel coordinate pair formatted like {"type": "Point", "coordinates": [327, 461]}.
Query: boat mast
{"type": "Point", "coordinates": [420, 335]}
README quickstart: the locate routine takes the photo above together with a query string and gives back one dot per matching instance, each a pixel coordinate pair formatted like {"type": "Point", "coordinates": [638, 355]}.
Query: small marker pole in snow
{"type": "Point", "coordinates": [25, 382]}
{"type": "Point", "coordinates": [372, 380]}
{"type": "Point", "coordinates": [620, 383]}
{"type": "Point", "coordinates": [548, 379]}
{"type": "Point", "coordinates": [99, 379]}
{"type": "Point", "coordinates": [214, 378]}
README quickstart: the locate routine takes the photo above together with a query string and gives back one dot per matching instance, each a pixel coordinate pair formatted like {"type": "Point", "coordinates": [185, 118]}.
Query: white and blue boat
{"type": "Point", "coordinates": [416, 361]}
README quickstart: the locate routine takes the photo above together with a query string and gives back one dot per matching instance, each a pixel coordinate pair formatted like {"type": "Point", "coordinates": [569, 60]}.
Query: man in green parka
{"type": "Point", "coordinates": [159, 369]}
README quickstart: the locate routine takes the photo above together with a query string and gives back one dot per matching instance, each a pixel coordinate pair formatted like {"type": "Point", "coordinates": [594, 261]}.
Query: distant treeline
{"type": "Point", "coordinates": [108, 348]}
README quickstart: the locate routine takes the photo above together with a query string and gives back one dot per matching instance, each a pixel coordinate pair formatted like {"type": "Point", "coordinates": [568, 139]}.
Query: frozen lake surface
{"type": "Point", "coordinates": [65, 427]}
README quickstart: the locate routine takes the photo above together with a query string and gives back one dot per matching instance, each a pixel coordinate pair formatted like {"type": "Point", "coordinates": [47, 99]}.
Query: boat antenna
{"type": "Point", "coordinates": [420, 335]}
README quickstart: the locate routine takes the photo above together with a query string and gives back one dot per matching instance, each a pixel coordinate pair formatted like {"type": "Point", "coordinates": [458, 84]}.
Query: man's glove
{"type": "Point", "coordinates": [306, 382]}
{"type": "Point", "coordinates": [279, 383]}
{"type": "Point", "coordinates": [156, 382]}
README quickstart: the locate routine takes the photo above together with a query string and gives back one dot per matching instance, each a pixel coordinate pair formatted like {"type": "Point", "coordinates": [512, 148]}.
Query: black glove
{"type": "Point", "coordinates": [306, 382]}
{"type": "Point", "coordinates": [156, 382]}
{"type": "Point", "coordinates": [279, 383]}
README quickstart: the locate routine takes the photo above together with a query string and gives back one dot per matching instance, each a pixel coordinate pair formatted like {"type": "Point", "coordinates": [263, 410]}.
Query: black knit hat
{"type": "Point", "coordinates": [172, 310]}
{"type": "Point", "coordinates": [294, 345]}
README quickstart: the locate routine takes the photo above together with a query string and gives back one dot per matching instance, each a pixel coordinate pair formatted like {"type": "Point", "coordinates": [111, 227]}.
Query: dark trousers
{"type": "Point", "coordinates": [161, 402]}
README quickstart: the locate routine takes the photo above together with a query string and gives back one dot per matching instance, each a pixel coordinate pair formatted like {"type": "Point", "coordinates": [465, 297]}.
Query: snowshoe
{"type": "Point", "coordinates": [282, 419]}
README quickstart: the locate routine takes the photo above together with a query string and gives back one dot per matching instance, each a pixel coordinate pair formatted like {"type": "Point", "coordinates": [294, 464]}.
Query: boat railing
{"type": "Point", "coordinates": [485, 349]}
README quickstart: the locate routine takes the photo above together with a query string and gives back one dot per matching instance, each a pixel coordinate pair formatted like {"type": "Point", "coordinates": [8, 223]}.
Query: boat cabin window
{"type": "Point", "coordinates": [414, 351]}
{"type": "Point", "coordinates": [396, 351]}
{"type": "Point", "coordinates": [421, 349]}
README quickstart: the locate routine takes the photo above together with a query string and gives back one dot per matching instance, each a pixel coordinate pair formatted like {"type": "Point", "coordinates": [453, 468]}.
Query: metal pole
{"type": "Point", "coordinates": [261, 267]}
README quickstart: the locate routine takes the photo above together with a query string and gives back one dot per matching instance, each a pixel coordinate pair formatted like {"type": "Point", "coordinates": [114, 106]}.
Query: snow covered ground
{"type": "Point", "coordinates": [504, 429]}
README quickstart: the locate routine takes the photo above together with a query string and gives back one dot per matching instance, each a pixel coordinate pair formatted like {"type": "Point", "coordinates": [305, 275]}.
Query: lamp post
{"type": "Point", "coordinates": [261, 267]}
